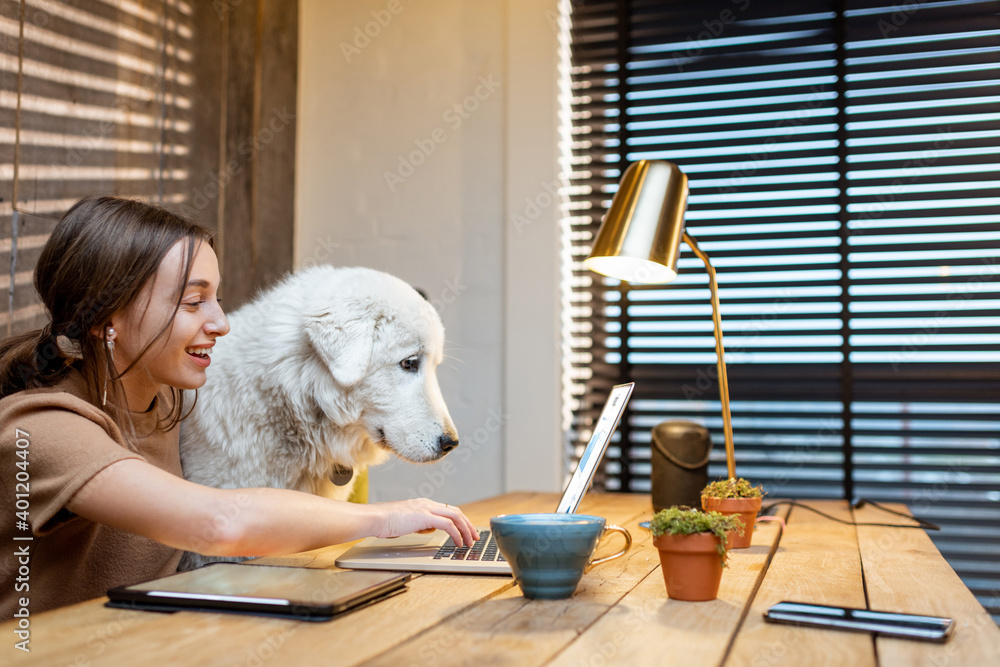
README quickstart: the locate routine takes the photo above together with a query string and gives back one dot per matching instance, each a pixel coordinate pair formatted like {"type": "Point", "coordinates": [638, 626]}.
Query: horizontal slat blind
{"type": "Point", "coordinates": [95, 98]}
{"type": "Point", "coordinates": [844, 164]}
{"type": "Point", "coordinates": [923, 169]}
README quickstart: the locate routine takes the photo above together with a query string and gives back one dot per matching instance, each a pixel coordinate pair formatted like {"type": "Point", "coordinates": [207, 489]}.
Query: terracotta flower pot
{"type": "Point", "coordinates": [691, 566]}
{"type": "Point", "coordinates": [745, 508]}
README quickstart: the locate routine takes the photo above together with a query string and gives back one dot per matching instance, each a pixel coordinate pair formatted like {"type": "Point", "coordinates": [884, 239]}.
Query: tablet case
{"type": "Point", "coordinates": [147, 599]}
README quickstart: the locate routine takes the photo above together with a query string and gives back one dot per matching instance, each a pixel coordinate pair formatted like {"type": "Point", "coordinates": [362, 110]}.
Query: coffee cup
{"type": "Point", "coordinates": [549, 553]}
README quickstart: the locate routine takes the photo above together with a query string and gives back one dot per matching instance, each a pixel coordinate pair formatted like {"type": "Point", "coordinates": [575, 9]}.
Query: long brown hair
{"type": "Point", "coordinates": [94, 265]}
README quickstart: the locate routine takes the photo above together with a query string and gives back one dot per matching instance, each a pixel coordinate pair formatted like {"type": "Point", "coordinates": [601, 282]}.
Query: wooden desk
{"type": "Point", "coordinates": [620, 614]}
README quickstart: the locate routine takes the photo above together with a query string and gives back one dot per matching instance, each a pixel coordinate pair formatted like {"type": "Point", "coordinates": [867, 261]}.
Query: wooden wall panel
{"type": "Point", "coordinates": [253, 181]}
{"type": "Point", "coordinates": [275, 189]}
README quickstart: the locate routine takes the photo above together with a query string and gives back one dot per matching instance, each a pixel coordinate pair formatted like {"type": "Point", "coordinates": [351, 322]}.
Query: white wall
{"type": "Point", "coordinates": [392, 175]}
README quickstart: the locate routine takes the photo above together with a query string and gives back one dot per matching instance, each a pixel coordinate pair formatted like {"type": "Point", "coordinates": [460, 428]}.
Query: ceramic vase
{"type": "Point", "coordinates": [691, 566]}
{"type": "Point", "coordinates": [744, 508]}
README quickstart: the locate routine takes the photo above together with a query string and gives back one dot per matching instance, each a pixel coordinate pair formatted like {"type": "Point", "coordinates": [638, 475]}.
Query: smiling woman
{"type": "Point", "coordinates": [89, 408]}
{"type": "Point", "coordinates": [135, 259]}
{"type": "Point", "coordinates": [182, 290]}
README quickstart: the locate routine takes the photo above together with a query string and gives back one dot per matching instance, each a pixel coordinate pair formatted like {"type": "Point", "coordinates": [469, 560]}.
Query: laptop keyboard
{"type": "Point", "coordinates": [485, 549]}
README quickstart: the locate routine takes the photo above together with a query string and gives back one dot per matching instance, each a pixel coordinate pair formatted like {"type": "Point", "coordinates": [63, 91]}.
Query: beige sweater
{"type": "Point", "coordinates": [64, 442]}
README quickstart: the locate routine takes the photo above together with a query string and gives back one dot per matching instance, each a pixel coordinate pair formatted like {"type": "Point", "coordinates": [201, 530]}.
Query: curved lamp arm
{"type": "Point", "coordinates": [727, 422]}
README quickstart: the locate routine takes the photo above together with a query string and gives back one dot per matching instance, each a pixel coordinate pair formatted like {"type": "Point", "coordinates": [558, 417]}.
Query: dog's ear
{"type": "Point", "coordinates": [345, 346]}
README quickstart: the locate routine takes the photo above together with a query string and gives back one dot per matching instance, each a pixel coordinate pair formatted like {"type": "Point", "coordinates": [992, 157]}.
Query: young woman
{"type": "Point", "coordinates": [89, 463]}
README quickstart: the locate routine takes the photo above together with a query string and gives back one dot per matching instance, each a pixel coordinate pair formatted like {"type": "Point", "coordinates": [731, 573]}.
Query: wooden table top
{"type": "Point", "coordinates": [620, 613]}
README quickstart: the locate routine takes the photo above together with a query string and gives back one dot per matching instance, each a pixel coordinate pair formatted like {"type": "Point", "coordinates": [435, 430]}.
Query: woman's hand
{"type": "Point", "coordinates": [421, 515]}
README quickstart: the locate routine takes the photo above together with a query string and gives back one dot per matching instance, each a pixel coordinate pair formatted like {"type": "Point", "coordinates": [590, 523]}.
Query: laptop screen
{"type": "Point", "coordinates": [606, 425]}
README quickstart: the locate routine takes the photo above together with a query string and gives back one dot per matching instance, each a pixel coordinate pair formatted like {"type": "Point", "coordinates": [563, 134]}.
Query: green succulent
{"type": "Point", "coordinates": [732, 488]}
{"type": "Point", "coordinates": [687, 521]}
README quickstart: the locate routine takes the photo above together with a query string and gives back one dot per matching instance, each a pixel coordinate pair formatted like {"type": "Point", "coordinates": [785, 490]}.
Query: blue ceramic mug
{"type": "Point", "coordinates": [548, 553]}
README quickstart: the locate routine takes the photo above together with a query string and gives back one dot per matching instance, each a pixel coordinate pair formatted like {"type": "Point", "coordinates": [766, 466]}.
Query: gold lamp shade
{"type": "Point", "coordinates": [640, 242]}
{"type": "Point", "coordinates": [640, 238]}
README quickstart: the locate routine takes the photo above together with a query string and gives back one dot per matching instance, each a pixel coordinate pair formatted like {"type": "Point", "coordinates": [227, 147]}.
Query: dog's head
{"type": "Point", "coordinates": [382, 343]}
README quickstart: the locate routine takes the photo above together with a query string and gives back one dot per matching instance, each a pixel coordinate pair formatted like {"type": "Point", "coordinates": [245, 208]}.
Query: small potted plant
{"type": "Point", "coordinates": [735, 497]}
{"type": "Point", "coordinates": [692, 546]}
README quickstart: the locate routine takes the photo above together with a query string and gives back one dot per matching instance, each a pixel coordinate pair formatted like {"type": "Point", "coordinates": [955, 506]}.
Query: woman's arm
{"type": "Point", "coordinates": [140, 498]}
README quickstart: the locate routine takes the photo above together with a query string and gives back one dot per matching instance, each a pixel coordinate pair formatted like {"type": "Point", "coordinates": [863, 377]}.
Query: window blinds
{"type": "Point", "coordinates": [844, 164]}
{"type": "Point", "coordinates": [95, 98]}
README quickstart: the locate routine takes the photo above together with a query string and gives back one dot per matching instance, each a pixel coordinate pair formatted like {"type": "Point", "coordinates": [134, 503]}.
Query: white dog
{"type": "Point", "coordinates": [322, 375]}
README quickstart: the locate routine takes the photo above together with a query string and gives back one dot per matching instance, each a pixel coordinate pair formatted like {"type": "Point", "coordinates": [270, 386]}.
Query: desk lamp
{"type": "Point", "coordinates": [640, 242]}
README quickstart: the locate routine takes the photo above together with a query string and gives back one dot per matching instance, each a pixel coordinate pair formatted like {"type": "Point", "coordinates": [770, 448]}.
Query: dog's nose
{"type": "Point", "coordinates": [447, 443]}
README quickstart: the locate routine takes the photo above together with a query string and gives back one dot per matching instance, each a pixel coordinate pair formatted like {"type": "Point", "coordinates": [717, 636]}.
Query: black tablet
{"type": "Point", "coordinates": [267, 590]}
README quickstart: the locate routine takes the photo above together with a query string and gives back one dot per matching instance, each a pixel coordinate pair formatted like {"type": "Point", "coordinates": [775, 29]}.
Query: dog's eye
{"type": "Point", "coordinates": [412, 364]}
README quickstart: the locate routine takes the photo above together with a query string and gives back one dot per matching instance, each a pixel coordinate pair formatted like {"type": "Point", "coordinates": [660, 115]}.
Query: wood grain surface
{"type": "Point", "coordinates": [620, 614]}
{"type": "Point", "coordinates": [817, 561]}
{"type": "Point", "coordinates": [905, 572]}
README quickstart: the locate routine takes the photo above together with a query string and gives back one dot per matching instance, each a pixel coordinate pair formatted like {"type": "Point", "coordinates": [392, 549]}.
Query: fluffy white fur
{"type": "Point", "coordinates": [311, 376]}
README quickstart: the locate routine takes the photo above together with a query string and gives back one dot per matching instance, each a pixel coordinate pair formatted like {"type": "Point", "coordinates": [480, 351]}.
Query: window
{"type": "Point", "coordinates": [190, 105]}
{"type": "Point", "coordinates": [95, 98]}
{"type": "Point", "coordinates": [844, 164]}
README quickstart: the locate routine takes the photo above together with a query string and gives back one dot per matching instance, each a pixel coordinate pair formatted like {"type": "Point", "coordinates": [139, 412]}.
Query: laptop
{"type": "Point", "coordinates": [437, 552]}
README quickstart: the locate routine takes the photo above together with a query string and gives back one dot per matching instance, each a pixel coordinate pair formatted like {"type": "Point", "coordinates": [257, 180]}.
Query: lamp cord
{"type": "Point", "coordinates": [922, 523]}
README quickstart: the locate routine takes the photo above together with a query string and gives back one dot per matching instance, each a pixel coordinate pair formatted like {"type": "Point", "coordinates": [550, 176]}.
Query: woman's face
{"type": "Point", "coordinates": [179, 358]}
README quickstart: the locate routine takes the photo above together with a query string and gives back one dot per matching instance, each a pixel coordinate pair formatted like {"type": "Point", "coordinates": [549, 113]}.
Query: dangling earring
{"type": "Point", "coordinates": [110, 342]}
